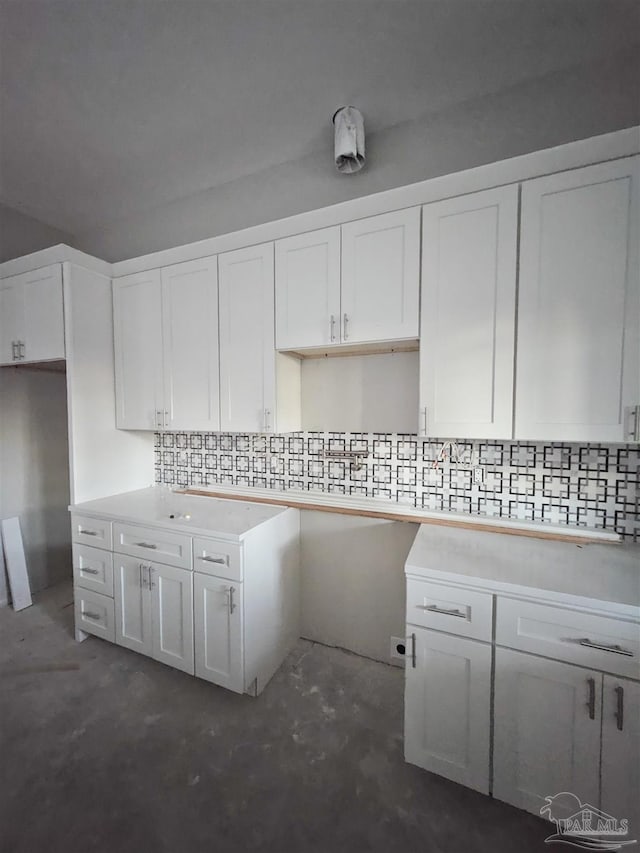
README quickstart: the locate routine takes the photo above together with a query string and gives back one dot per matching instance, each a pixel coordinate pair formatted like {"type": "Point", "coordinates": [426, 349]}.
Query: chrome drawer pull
{"type": "Point", "coordinates": [89, 571]}
{"type": "Point", "coordinates": [145, 545]}
{"type": "Point", "coordinates": [90, 615]}
{"type": "Point", "coordinates": [232, 605]}
{"type": "Point", "coordinates": [614, 649]}
{"type": "Point", "coordinates": [221, 560]}
{"type": "Point", "coordinates": [87, 532]}
{"type": "Point", "coordinates": [433, 608]}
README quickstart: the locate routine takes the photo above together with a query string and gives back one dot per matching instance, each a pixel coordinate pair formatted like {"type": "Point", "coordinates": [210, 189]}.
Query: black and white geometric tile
{"type": "Point", "coordinates": [595, 486]}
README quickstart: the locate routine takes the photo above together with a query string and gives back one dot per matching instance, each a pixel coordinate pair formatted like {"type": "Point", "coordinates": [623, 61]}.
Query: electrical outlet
{"type": "Point", "coordinates": [397, 649]}
{"type": "Point", "coordinates": [478, 475]}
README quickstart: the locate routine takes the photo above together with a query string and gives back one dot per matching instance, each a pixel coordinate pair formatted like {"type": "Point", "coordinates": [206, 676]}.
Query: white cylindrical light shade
{"type": "Point", "coordinates": [349, 140]}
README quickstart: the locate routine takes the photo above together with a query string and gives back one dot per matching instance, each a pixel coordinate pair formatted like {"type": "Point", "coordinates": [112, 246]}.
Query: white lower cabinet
{"type": "Point", "coordinates": [154, 610]}
{"type": "Point", "coordinates": [133, 604]}
{"type": "Point", "coordinates": [219, 631]}
{"type": "Point", "coordinates": [620, 770]}
{"type": "Point", "coordinates": [231, 622]}
{"type": "Point", "coordinates": [447, 707]}
{"type": "Point", "coordinates": [547, 718]}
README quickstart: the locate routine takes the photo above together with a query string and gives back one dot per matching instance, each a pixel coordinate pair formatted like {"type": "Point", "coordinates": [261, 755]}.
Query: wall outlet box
{"type": "Point", "coordinates": [397, 649]}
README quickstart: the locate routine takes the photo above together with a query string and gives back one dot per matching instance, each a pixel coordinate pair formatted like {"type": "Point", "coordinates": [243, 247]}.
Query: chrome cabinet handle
{"type": "Point", "coordinates": [90, 615]}
{"type": "Point", "coordinates": [267, 416]}
{"type": "Point", "coordinates": [84, 532]}
{"type": "Point", "coordinates": [613, 649]}
{"type": "Point", "coordinates": [21, 349]}
{"type": "Point", "coordinates": [619, 714]}
{"type": "Point", "coordinates": [332, 328]}
{"type": "Point", "coordinates": [146, 545]}
{"type": "Point", "coordinates": [152, 583]}
{"type": "Point", "coordinates": [14, 351]}
{"type": "Point", "coordinates": [591, 701]}
{"type": "Point", "coordinates": [232, 605]}
{"type": "Point", "coordinates": [423, 429]}
{"type": "Point", "coordinates": [413, 651]}
{"type": "Point", "coordinates": [159, 422]}
{"type": "Point", "coordinates": [143, 577]}
{"type": "Point", "coordinates": [433, 608]}
{"type": "Point", "coordinates": [221, 560]}
{"type": "Point", "coordinates": [166, 418]}
{"type": "Point", "coordinates": [345, 327]}
{"type": "Point", "coordinates": [636, 430]}
{"type": "Point", "coordinates": [88, 571]}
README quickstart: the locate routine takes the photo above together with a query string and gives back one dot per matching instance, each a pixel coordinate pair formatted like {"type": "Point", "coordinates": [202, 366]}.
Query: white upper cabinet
{"type": "Point", "coordinates": [578, 315]}
{"type": "Point", "coordinates": [137, 325]}
{"type": "Point", "coordinates": [467, 333]}
{"type": "Point", "coordinates": [380, 277]}
{"type": "Point", "coordinates": [308, 289]}
{"type": "Point", "coordinates": [190, 345]}
{"type": "Point", "coordinates": [350, 284]}
{"type": "Point", "coordinates": [247, 354]}
{"type": "Point", "coordinates": [32, 316]}
{"type": "Point", "coordinates": [166, 348]}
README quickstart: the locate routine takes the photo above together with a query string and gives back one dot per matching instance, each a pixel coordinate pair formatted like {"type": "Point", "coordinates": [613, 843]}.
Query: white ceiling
{"type": "Point", "coordinates": [113, 107]}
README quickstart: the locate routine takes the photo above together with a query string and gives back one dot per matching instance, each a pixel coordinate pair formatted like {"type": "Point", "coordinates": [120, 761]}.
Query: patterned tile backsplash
{"type": "Point", "coordinates": [590, 485]}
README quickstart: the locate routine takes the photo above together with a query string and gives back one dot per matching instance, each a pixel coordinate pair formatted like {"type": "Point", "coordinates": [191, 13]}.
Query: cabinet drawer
{"type": "Point", "coordinates": [446, 608]}
{"type": "Point", "coordinates": [93, 569]}
{"type": "Point", "coordinates": [150, 543]}
{"type": "Point", "coordinates": [213, 557]}
{"type": "Point", "coordinates": [95, 613]}
{"type": "Point", "coordinates": [596, 642]}
{"type": "Point", "coordinates": [91, 531]}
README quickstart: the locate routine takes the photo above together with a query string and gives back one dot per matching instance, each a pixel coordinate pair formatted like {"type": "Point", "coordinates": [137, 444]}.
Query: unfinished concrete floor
{"type": "Point", "coordinates": [104, 750]}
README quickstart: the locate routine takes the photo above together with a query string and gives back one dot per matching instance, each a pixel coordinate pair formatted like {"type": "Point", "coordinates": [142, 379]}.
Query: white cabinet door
{"type": "Point", "coordinates": [381, 277]}
{"type": "Point", "coordinates": [247, 353]}
{"type": "Point", "coordinates": [546, 730]}
{"type": "Point", "coordinates": [43, 314]}
{"type": "Point", "coordinates": [621, 751]}
{"type": "Point", "coordinates": [133, 604]}
{"type": "Point", "coordinates": [137, 326]}
{"type": "Point", "coordinates": [469, 248]}
{"type": "Point", "coordinates": [219, 637]}
{"type": "Point", "coordinates": [447, 707]}
{"type": "Point", "coordinates": [190, 345]}
{"type": "Point", "coordinates": [308, 289]}
{"type": "Point", "coordinates": [172, 616]}
{"type": "Point", "coordinates": [11, 319]}
{"type": "Point", "coordinates": [578, 360]}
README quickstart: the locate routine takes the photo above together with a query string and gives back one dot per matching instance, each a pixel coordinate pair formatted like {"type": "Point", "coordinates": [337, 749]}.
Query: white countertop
{"type": "Point", "coordinates": [604, 576]}
{"type": "Point", "coordinates": [155, 506]}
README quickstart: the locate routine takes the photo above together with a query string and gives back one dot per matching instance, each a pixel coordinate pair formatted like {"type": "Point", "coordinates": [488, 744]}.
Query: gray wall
{"type": "Point", "coordinates": [34, 469]}
{"type": "Point", "coordinates": [21, 234]}
{"type": "Point", "coordinates": [575, 104]}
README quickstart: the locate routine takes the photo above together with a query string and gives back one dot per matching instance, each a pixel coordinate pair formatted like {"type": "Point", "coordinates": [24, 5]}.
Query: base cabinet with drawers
{"type": "Point", "coordinates": [225, 611]}
{"type": "Point", "coordinates": [523, 695]}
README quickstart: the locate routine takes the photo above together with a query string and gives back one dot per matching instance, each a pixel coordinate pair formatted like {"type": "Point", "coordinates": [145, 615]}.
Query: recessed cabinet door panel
{"type": "Point", "coordinates": [11, 318]}
{"type": "Point", "coordinates": [547, 730]}
{"type": "Point", "coordinates": [172, 616]}
{"type": "Point", "coordinates": [578, 327]}
{"type": "Point", "coordinates": [43, 314]}
{"type": "Point", "coordinates": [133, 604]}
{"type": "Point", "coordinates": [467, 336]}
{"type": "Point", "coordinates": [308, 289]}
{"type": "Point", "coordinates": [381, 277]}
{"type": "Point", "coordinates": [621, 751]}
{"type": "Point", "coordinates": [190, 345]}
{"type": "Point", "coordinates": [137, 321]}
{"type": "Point", "coordinates": [247, 354]}
{"type": "Point", "coordinates": [447, 707]}
{"type": "Point", "coordinates": [219, 631]}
